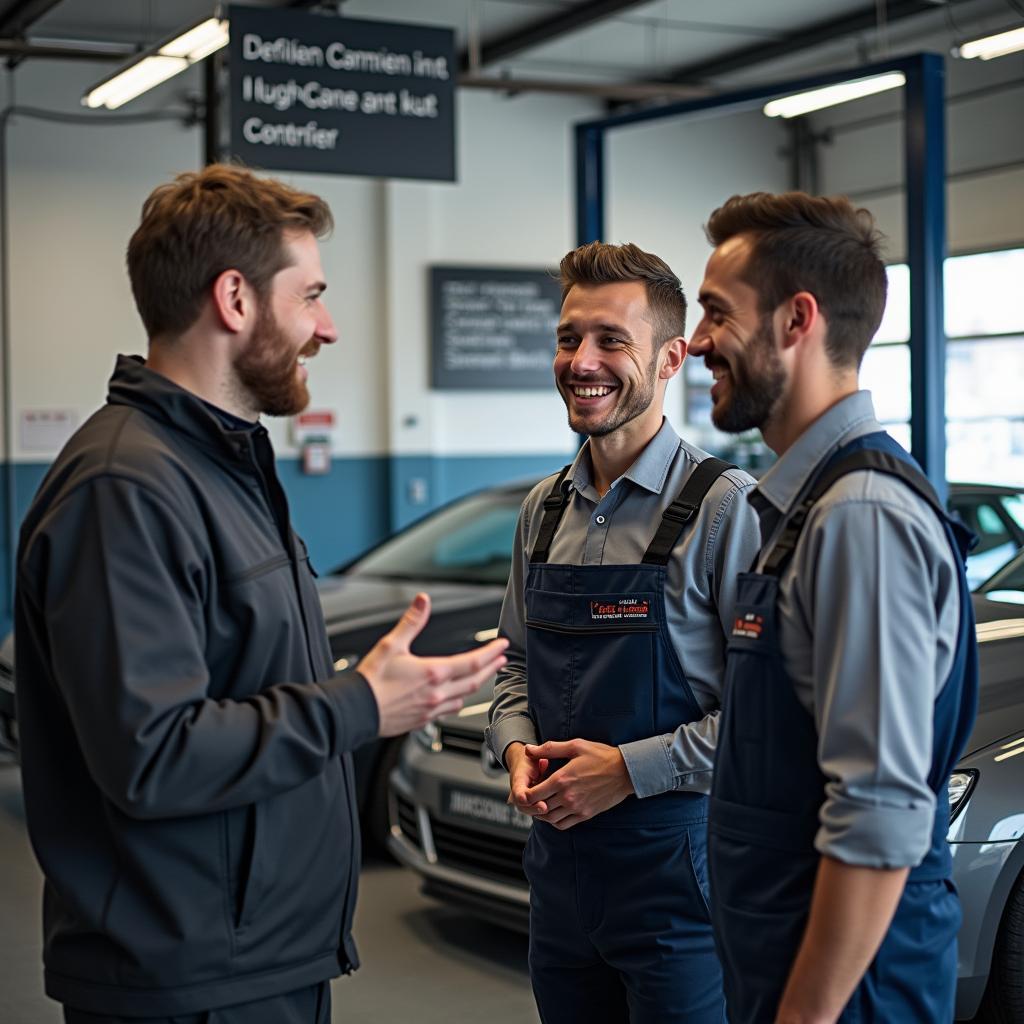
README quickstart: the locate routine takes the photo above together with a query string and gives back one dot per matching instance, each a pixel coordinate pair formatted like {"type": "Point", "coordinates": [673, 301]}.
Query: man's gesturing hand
{"type": "Point", "coordinates": [595, 779]}
{"type": "Point", "coordinates": [411, 691]}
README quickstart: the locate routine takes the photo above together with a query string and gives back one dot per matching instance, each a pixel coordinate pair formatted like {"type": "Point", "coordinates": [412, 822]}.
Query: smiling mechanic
{"type": "Point", "coordinates": [852, 669]}
{"type": "Point", "coordinates": [617, 612]}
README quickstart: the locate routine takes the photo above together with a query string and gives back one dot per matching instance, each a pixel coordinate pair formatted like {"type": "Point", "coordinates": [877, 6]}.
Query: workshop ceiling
{"type": "Point", "coordinates": [712, 43]}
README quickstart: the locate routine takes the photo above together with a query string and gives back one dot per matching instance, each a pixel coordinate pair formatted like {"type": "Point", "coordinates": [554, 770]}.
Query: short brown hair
{"type": "Point", "coordinates": [819, 244]}
{"type": "Point", "coordinates": [203, 223]}
{"type": "Point", "coordinates": [602, 263]}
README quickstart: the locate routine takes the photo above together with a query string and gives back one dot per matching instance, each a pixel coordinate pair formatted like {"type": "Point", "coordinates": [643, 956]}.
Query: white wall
{"type": "Point", "coordinates": [664, 178]}
{"type": "Point", "coordinates": [512, 206]}
{"type": "Point", "coordinates": [75, 192]}
{"type": "Point", "coordinates": [75, 196]}
{"type": "Point", "coordinates": [984, 129]}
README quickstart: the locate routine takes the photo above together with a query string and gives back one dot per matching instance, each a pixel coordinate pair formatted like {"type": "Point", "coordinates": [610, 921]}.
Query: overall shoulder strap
{"type": "Point", "coordinates": [866, 458]}
{"type": "Point", "coordinates": [554, 507]}
{"type": "Point", "coordinates": [683, 509]}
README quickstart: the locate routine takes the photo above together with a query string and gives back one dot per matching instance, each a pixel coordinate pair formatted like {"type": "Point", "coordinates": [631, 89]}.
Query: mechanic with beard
{"type": "Point", "coordinates": [606, 716]}
{"type": "Point", "coordinates": [185, 741]}
{"type": "Point", "coordinates": [851, 682]}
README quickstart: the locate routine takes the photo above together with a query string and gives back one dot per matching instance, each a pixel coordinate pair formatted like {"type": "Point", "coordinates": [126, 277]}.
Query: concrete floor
{"type": "Point", "coordinates": [422, 962]}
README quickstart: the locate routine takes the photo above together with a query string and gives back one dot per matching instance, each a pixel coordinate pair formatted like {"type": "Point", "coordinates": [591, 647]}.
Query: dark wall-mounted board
{"type": "Point", "coordinates": [493, 328]}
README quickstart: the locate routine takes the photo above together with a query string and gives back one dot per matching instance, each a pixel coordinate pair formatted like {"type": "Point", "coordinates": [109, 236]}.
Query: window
{"type": "Point", "coordinates": [469, 541]}
{"type": "Point", "coordinates": [984, 319]}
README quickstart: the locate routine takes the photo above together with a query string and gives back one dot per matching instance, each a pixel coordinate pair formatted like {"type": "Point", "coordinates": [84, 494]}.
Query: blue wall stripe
{"type": "Point", "coordinates": [436, 480]}
{"type": "Point", "coordinates": [340, 513]}
{"type": "Point", "coordinates": [354, 506]}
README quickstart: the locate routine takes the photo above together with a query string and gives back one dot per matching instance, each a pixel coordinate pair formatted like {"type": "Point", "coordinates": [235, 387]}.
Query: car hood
{"type": "Point", "coordinates": [359, 602]}
{"type": "Point", "coordinates": [473, 716]}
{"type": "Point", "coordinates": [1001, 654]}
{"type": "Point", "coordinates": [1000, 704]}
{"type": "Point", "coordinates": [352, 597]}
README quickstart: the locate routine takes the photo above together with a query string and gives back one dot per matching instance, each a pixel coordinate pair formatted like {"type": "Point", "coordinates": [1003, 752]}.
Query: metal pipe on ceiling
{"type": "Point", "coordinates": [817, 34]}
{"type": "Point", "coordinates": [22, 49]}
{"type": "Point", "coordinates": [623, 92]}
{"type": "Point", "coordinates": [544, 30]}
{"type": "Point", "coordinates": [19, 15]}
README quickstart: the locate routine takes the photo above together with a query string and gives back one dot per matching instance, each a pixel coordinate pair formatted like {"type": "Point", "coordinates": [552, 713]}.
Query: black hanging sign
{"type": "Point", "coordinates": [330, 95]}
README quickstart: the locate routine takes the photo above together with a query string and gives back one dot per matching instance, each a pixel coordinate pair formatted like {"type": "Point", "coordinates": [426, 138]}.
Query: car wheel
{"type": "Point", "coordinates": [1004, 995]}
{"type": "Point", "coordinates": [375, 816]}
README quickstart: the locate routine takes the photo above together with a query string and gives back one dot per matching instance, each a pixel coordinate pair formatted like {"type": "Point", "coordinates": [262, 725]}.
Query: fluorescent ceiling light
{"type": "Point", "coordinates": [994, 46]}
{"type": "Point", "coordinates": [134, 81]}
{"type": "Point", "coordinates": [158, 64]}
{"type": "Point", "coordinates": [206, 38]}
{"type": "Point", "coordinates": [816, 99]}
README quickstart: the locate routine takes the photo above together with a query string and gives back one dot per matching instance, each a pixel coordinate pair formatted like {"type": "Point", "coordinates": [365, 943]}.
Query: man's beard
{"type": "Point", "coordinates": [266, 369]}
{"type": "Point", "coordinates": [755, 385]}
{"type": "Point", "coordinates": [635, 403]}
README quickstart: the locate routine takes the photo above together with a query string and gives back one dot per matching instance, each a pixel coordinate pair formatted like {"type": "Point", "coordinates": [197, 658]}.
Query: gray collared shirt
{"type": "Point", "coordinates": [868, 620]}
{"type": "Point", "coordinates": [700, 590]}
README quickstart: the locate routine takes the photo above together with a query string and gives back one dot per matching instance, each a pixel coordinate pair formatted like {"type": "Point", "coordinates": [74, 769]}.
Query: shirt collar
{"type": "Point", "coordinates": [134, 384]}
{"type": "Point", "coordinates": [785, 482]}
{"type": "Point", "coordinates": [229, 419]}
{"type": "Point", "coordinates": [649, 470]}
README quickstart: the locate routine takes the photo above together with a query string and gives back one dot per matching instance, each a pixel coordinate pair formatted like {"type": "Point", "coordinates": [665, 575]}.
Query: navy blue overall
{"type": "Point", "coordinates": [768, 789]}
{"type": "Point", "coordinates": [619, 923]}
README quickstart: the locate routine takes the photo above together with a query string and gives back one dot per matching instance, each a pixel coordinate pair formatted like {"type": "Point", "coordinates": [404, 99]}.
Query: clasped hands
{"type": "Point", "coordinates": [594, 779]}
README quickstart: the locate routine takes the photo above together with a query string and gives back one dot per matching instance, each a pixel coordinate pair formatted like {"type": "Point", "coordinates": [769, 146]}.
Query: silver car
{"type": "Point", "coordinates": [451, 824]}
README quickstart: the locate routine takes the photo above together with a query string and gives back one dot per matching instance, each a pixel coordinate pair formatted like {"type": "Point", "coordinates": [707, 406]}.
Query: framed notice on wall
{"type": "Point", "coordinates": [330, 95]}
{"type": "Point", "coordinates": [493, 328]}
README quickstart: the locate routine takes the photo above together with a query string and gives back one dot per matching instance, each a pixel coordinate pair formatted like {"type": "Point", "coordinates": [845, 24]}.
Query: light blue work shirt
{"type": "Point", "coordinates": [868, 619]}
{"type": "Point", "coordinates": [700, 590]}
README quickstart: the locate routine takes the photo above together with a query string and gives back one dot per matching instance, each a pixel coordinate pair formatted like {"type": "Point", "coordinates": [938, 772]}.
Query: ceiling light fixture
{"type": "Point", "coordinates": [159, 63]}
{"type": "Point", "coordinates": [993, 46]}
{"type": "Point", "coordinates": [831, 95]}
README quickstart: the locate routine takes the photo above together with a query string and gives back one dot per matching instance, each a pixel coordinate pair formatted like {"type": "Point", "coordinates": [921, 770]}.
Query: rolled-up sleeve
{"type": "Point", "coordinates": [509, 715]}
{"type": "Point", "coordinates": [866, 590]}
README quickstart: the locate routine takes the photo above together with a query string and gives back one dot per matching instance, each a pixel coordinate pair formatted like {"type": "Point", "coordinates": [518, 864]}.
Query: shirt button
{"type": "Point", "coordinates": [600, 519]}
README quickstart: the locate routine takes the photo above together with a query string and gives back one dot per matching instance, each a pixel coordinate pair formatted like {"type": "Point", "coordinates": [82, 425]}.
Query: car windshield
{"type": "Point", "coordinates": [467, 542]}
{"type": "Point", "coordinates": [997, 520]}
{"type": "Point", "coordinates": [1007, 585]}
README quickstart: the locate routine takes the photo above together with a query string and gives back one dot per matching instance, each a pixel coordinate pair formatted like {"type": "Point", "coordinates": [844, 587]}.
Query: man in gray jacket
{"type": "Point", "coordinates": [185, 740]}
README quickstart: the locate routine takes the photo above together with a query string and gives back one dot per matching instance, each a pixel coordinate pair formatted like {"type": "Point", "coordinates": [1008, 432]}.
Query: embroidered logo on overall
{"type": "Point", "coordinates": [624, 608]}
{"type": "Point", "coordinates": [750, 625]}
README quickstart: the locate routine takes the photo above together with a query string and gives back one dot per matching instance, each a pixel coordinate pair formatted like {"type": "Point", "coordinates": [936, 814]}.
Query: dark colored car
{"type": "Point", "coordinates": [987, 820]}
{"type": "Point", "coordinates": [450, 821]}
{"type": "Point", "coordinates": [459, 554]}
{"type": "Point", "coordinates": [8, 722]}
{"type": "Point", "coordinates": [996, 515]}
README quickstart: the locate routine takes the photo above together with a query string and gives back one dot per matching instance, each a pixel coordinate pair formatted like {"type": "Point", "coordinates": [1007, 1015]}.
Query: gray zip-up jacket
{"type": "Point", "coordinates": [185, 740]}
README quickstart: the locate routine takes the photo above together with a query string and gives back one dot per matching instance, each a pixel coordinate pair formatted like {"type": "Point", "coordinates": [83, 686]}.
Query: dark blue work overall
{"type": "Point", "coordinates": [768, 789]}
{"type": "Point", "coordinates": [619, 922]}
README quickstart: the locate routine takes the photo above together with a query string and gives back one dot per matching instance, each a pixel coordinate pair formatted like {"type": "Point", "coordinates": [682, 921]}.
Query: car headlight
{"type": "Point", "coordinates": [960, 786]}
{"type": "Point", "coordinates": [429, 736]}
